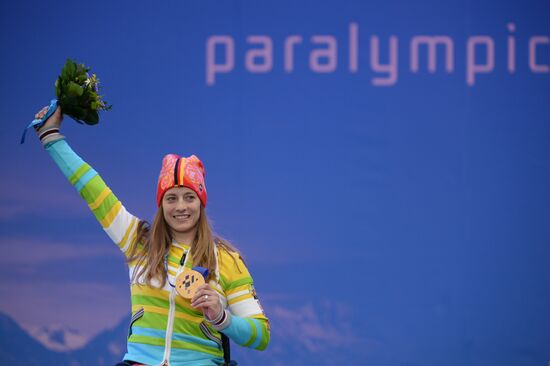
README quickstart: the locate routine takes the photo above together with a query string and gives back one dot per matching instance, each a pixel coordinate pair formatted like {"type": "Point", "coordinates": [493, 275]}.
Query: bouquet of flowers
{"type": "Point", "coordinates": [77, 94]}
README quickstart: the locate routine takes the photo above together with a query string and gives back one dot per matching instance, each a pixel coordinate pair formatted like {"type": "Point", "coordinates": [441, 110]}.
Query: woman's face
{"type": "Point", "coordinates": [181, 207]}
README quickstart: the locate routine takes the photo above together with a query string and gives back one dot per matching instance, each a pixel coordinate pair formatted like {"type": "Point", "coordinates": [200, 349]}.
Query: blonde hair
{"type": "Point", "coordinates": [153, 243]}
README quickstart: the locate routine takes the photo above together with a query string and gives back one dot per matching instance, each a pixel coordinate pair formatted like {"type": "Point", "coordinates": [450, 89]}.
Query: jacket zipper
{"type": "Point", "coordinates": [171, 312]}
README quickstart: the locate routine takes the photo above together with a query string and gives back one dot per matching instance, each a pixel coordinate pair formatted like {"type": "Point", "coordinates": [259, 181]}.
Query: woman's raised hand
{"type": "Point", "coordinates": [53, 121]}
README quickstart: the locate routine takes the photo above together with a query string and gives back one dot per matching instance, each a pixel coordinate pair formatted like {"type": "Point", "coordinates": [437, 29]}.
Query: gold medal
{"type": "Point", "coordinates": [187, 282]}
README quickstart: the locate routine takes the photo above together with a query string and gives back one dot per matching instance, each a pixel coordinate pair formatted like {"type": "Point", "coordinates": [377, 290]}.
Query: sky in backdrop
{"type": "Point", "coordinates": [391, 198]}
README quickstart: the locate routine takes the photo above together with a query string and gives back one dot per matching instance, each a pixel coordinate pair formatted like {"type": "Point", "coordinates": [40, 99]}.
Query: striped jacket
{"type": "Point", "coordinates": [165, 329]}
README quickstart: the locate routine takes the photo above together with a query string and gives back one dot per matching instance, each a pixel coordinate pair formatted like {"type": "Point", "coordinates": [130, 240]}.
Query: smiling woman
{"type": "Point", "coordinates": [181, 208]}
{"type": "Point", "coordinates": [167, 329]}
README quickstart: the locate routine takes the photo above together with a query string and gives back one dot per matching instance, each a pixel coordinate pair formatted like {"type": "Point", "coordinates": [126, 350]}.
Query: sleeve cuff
{"type": "Point", "coordinates": [224, 322]}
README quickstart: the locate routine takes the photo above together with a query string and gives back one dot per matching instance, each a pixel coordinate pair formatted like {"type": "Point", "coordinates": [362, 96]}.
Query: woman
{"type": "Point", "coordinates": [168, 329]}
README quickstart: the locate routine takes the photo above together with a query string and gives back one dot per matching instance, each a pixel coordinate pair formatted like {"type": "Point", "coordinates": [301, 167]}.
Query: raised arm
{"type": "Point", "coordinates": [119, 224]}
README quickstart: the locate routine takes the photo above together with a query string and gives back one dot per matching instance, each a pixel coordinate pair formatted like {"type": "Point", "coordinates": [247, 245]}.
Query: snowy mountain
{"type": "Point", "coordinates": [17, 347]}
{"type": "Point", "coordinates": [58, 338]}
{"type": "Point", "coordinates": [306, 335]}
{"type": "Point", "coordinates": [107, 348]}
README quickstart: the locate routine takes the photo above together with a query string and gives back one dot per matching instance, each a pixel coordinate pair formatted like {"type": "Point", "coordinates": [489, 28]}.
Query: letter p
{"type": "Point", "coordinates": [473, 68]}
{"type": "Point", "coordinates": [212, 68]}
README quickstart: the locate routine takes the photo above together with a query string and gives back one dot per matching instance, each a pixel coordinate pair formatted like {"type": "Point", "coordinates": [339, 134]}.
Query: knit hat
{"type": "Point", "coordinates": [181, 172]}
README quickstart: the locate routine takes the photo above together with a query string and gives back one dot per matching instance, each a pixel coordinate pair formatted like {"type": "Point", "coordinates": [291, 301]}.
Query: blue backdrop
{"type": "Point", "coordinates": [383, 166]}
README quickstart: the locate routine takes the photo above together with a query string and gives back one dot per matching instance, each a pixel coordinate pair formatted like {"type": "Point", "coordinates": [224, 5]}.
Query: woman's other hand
{"type": "Point", "coordinates": [208, 300]}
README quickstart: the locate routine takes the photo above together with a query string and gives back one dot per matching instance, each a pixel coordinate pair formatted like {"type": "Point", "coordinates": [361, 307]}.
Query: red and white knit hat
{"type": "Point", "coordinates": [182, 172]}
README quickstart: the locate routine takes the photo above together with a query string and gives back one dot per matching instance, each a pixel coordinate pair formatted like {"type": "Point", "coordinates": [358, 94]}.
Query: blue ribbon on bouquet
{"type": "Point", "coordinates": [37, 123]}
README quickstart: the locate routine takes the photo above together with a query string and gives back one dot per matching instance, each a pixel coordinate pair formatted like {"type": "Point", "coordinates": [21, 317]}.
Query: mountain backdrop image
{"type": "Point", "coordinates": [310, 334]}
{"type": "Point", "coordinates": [17, 347]}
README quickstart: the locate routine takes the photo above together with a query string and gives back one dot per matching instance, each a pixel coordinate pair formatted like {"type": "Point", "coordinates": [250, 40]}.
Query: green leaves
{"type": "Point", "coordinates": [93, 117]}
{"type": "Point", "coordinates": [77, 93]}
{"type": "Point", "coordinates": [74, 89]}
